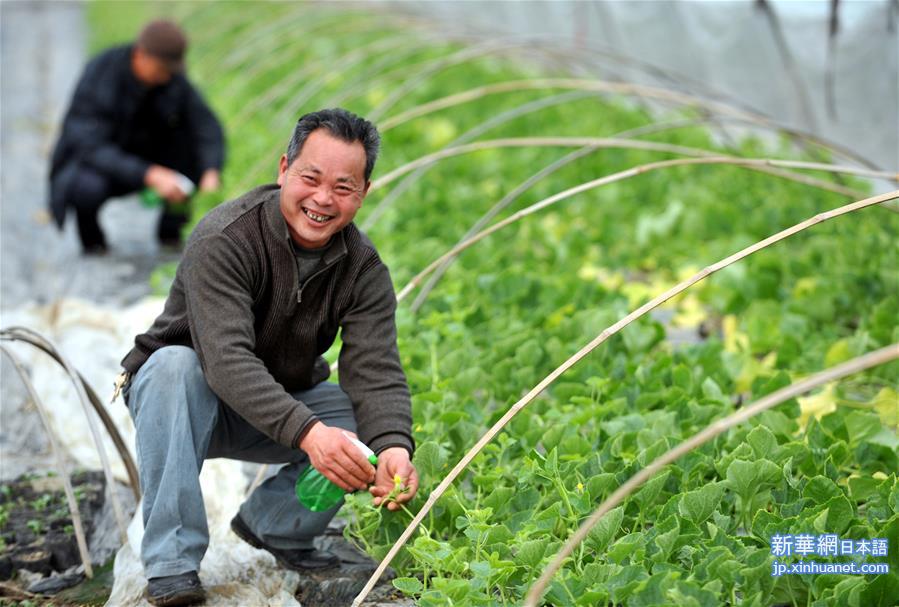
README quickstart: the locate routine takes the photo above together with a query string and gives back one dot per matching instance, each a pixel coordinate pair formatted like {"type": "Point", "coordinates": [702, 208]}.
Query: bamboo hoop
{"type": "Point", "coordinates": [287, 114]}
{"type": "Point", "coordinates": [338, 67]}
{"type": "Point", "coordinates": [288, 82]}
{"type": "Point", "coordinates": [285, 85]}
{"type": "Point", "coordinates": [114, 434]}
{"type": "Point", "coordinates": [578, 356]}
{"type": "Point", "coordinates": [466, 137]}
{"type": "Point", "coordinates": [211, 57]}
{"type": "Point", "coordinates": [430, 68]}
{"type": "Point", "coordinates": [403, 72]}
{"type": "Point", "coordinates": [623, 88]}
{"type": "Point", "coordinates": [515, 142]}
{"type": "Point", "coordinates": [27, 335]}
{"type": "Point", "coordinates": [878, 357]}
{"type": "Point", "coordinates": [80, 537]}
{"type": "Point", "coordinates": [520, 189]}
{"type": "Point", "coordinates": [750, 163]}
{"type": "Point", "coordinates": [383, 70]}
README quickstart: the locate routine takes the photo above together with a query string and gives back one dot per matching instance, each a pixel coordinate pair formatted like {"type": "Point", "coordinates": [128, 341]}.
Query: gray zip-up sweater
{"type": "Point", "coordinates": [236, 300]}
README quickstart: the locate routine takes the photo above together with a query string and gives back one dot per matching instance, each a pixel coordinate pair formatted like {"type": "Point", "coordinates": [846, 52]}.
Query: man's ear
{"type": "Point", "coordinates": [365, 189]}
{"type": "Point", "coordinates": [282, 169]}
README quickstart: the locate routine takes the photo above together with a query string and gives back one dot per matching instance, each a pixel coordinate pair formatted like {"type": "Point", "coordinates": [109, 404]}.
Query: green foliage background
{"type": "Point", "coordinates": [519, 303]}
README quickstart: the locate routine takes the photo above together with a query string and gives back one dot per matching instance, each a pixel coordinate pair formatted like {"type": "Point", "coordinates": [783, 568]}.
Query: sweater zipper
{"type": "Point", "coordinates": [300, 290]}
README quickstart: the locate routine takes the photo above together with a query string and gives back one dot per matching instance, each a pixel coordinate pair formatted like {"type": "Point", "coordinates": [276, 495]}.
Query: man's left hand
{"type": "Point", "coordinates": [210, 181]}
{"type": "Point", "coordinates": [394, 466]}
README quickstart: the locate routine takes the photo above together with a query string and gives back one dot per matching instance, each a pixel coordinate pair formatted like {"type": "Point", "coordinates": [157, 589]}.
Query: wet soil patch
{"type": "Point", "coordinates": [36, 530]}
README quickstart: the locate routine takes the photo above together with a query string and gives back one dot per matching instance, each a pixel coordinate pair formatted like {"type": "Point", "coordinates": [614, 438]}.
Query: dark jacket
{"type": "Point", "coordinates": [236, 301]}
{"type": "Point", "coordinates": [119, 127]}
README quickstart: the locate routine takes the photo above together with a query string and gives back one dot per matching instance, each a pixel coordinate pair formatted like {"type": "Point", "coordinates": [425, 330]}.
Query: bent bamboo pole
{"type": "Point", "coordinates": [611, 142]}
{"type": "Point", "coordinates": [114, 434]}
{"type": "Point", "coordinates": [592, 345]}
{"type": "Point", "coordinates": [751, 163]}
{"type": "Point", "coordinates": [878, 357]}
{"type": "Point", "coordinates": [520, 189]}
{"type": "Point", "coordinates": [38, 340]}
{"type": "Point", "coordinates": [467, 136]}
{"type": "Point", "coordinates": [80, 537]}
{"type": "Point", "coordinates": [623, 88]}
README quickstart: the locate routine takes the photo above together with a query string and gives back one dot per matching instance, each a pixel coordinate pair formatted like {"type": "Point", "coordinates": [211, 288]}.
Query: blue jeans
{"type": "Point", "coordinates": [180, 422]}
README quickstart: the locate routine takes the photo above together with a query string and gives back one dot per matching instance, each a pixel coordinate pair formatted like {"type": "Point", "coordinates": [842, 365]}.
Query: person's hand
{"type": "Point", "coordinates": [210, 181]}
{"type": "Point", "coordinates": [395, 471]}
{"type": "Point", "coordinates": [332, 454]}
{"type": "Point", "coordinates": [165, 182]}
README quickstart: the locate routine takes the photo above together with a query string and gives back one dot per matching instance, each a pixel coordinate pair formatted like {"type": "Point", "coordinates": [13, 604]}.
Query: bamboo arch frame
{"type": "Point", "coordinates": [72, 502]}
{"type": "Point", "coordinates": [296, 77]}
{"type": "Point", "coordinates": [624, 88]}
{"type": "Point", "coordinates": [613, 142]}
{"type": "Point", "coordinates": [578, 356]}
{"type": "Point", "coordinates": [431, 66]}
{"type": "Point", "coordinates": [750, 163]}
{"type": "Point", "coordinates": [524, 186]}
{"type": "Point", "coordinates": [485, 126]}
{"type": "Point", "coordinates": [86, 395]}
{"type": "Point", "coordinates": [872, 359]}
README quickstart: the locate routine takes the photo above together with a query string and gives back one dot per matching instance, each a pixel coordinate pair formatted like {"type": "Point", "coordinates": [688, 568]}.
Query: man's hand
{"type": "Point", "coordinates": [165, 182]}
{"type": "Point", "coordinates": [210, 181]}
{"type": "Point", "coordinates": [394, 468]}
{"type": "Point", "coordinates": [332, 454]}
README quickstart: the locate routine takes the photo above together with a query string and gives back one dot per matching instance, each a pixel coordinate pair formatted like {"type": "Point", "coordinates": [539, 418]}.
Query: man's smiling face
{"type": "Point", "coordinates": [322, 189]}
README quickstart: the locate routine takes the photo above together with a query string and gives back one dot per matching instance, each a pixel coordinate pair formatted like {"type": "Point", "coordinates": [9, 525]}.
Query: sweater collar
{"type": "Point", "coordinates": [278, 225]}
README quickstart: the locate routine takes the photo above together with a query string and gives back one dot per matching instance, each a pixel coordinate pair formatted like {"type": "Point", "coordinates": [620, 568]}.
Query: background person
{"type": "Point", "coordinates": [233, 366]}
{"type": "Point", "coordinates": [135, 122]}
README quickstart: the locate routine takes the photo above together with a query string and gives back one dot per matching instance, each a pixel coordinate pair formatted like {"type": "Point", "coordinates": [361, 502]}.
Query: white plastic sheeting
{"type": "Point", "coordinates": [778, 66]}
{"type": "Point", "coordinates": [94, 338]}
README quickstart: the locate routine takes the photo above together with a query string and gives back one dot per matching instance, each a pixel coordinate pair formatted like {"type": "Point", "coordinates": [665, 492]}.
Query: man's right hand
{"type": "Point", "coordinates": [165, 182]}
{"type": "Point", "coordinates": [337, 458]}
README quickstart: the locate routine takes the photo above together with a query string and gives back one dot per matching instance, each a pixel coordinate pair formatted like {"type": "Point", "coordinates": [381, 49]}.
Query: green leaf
{"type": "Point", "coordinates": [480, 569]}
{"type": "Point", "coordinates": [821, 490]}
{"type": "Point", "coordinates": [698, 505]}
{"type": "Point", "coordinates": [408, 585]}
{"type": "Point", "coordinates": [429, 460]}
{"type": "Point", "coordinates": [746, 478]}
{"type": "Point", "coordinates": [665, 541]}
{"type": "Point", "coordinates": [712, 391]}
{"type": "Point", "coordinates": [499, 498]}
{"type": "Point", "coordinates": [848, 592]}
{"type": "Point", "coordinates": [861, 426]}
{"type": "Point", "coordinates": [530, 553]}
{"type": "Point", "coordinates": [649, 493]}
{"type": "Point", "coordinates": [606, 529]}
{"type": "Point", "coordinates": [881, 591]}
{"type": "Point", "coordinates": [763, 442]}
{"type": "Point", "coordinates": [840, 514]}
{"type": "Point", "coordinates": [863, 488]}
{"type": "Point", "coordinates": [601, 485]}
{"type": "Point", "coordinates": [682, 377]}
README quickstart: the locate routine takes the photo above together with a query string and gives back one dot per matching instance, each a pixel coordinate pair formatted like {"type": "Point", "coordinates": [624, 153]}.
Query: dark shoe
{"type": "Point", "coordinates": [181, 589]}
{"type": "Point", "coordinates": [171, 224]}
{"type": "Point", "coordinates": [295, 560]}
{"type": "Point", "coordinates": [93, 242]}
{"type": "Point", "coordinates": [94, 250]}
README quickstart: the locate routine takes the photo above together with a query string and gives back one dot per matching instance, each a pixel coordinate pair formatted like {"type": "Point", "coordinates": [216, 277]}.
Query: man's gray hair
{"type": "Point", "coordinates": [343, 125]}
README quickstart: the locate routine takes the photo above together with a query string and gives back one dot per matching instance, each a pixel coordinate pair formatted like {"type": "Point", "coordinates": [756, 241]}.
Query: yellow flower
{"type": "Point", "coordinates": [397, 480]}
{"type": "Point", "coordinates": [580, 487]}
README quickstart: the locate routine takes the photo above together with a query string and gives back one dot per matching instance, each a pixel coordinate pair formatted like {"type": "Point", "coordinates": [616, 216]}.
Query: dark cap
{"type": "Point", "coordinates": [165, 41]}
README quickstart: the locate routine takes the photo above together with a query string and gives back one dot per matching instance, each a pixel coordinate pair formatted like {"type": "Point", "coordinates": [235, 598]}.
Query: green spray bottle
{"type": "Point", "coordinates": [150, 198]}
{"type": "Point", "coordinates": [316, 492]}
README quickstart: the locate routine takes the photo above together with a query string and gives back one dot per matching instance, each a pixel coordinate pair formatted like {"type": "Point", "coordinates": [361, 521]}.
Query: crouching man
{"type": "Point", "coordinates": [233, 367]}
